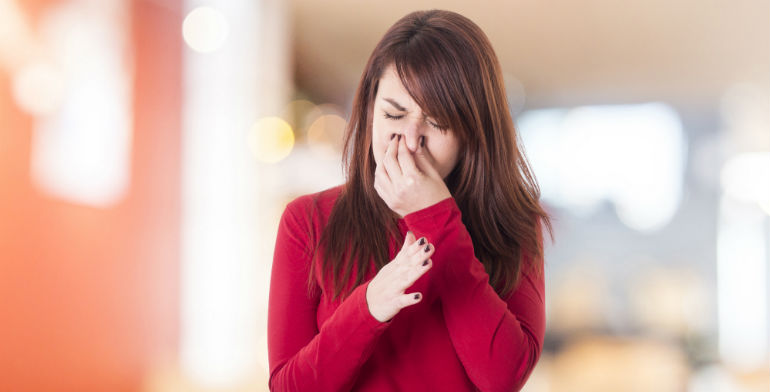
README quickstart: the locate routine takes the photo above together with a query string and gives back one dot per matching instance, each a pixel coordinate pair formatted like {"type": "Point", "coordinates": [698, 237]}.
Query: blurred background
{"type": "Point", "coordinates": [148, 148]}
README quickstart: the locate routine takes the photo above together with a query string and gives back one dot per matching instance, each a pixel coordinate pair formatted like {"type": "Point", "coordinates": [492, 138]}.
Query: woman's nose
{"type": "Point", "coordinates": [411, 134]}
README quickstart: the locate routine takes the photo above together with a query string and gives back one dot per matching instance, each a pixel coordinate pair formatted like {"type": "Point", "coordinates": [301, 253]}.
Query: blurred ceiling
{"type": "Point", "coordinates": [562, 52]}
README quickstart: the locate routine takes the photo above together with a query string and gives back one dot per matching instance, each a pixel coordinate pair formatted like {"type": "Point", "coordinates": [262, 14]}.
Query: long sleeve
{"type": "Point", "coordinates": [302, 358]}
{"type": "Point", "coordinates": [498, 342]}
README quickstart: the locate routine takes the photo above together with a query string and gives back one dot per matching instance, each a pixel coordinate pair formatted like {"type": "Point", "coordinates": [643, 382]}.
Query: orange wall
{"type": "Point", "coordinates": [89, 296]}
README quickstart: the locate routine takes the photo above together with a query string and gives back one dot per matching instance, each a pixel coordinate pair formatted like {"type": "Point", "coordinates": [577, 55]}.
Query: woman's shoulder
{"type": "Point", "coordinates": [316, 204]}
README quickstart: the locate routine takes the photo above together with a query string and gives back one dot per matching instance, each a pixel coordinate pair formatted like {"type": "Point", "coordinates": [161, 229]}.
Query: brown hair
{"type": "Point", "coordinates": [448, 66]}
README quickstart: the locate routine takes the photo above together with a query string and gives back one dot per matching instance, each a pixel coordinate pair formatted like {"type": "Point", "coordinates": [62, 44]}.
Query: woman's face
{"type": "Point", "coordinates": [395, 112]}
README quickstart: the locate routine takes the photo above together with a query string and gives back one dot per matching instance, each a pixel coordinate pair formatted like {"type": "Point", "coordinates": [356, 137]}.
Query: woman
{"type": "Point", "coordinates": [424, 271]}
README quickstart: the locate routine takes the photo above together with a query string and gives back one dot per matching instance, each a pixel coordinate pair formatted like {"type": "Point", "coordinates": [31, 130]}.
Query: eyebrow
{"type": "Point", "coordinates": [399, 107]}
{"type": "Point", "coordinates": [395, 104]}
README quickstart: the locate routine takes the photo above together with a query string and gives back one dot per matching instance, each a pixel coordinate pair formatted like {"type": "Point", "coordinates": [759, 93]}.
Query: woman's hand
{"type": "Point", "coordinates": [385, 293]}
{"type": "Point", "coordinates": [408, 183]}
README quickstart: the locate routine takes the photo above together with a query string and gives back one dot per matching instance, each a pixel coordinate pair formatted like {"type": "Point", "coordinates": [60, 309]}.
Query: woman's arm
{"type": "Point", "coordinates": [499, 342]}
{"type": "Point", "coordinates": [301, 357]}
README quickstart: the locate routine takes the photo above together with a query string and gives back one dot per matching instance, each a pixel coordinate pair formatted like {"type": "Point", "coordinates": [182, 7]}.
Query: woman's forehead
{"type": "Point", "coordinates": [391, 86]}
{"type": "Point", "coordinates": [392, 93]}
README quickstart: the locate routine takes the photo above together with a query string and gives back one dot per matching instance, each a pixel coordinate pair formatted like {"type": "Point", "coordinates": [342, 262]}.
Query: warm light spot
{"type": "Point", "coordinates": [38, 88]}
{"type": "Point", "coordinates": [317, 111]}
{"type": "Point", "coordinates": [271, 139]}
{"type": "Point", "coordinates": [325, 135]}
{"type": "Point", "coordinates": [205, 29]}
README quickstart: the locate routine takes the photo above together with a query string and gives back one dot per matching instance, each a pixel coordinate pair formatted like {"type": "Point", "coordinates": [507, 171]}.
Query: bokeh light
{"type": "Point", "coordinates": [631, 155]}
{"type": "Point", "coordinates": [271, 139]}
{"type": "Point", "coordinates": [325, 135]}
{"type": "Point", "coordinates": [205, 29]}
{"type": "Point", "coordinates": [317, 111]}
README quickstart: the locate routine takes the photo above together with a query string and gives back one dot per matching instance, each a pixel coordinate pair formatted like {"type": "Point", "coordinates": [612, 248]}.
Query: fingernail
{"type": "Point", "coordinates": [392, 136]}
{"type": "Point", "coordinates": [427, 248]}
{"type": "Point", "coordinates": [417, 296]}
{"type": "Point", "coordinates": [409, 232]}
{"type": "Point", "coordinates": [424, 263]}
{"type": "Point", "coordinates": [422, 241]}
{"type": "Point", "coordinates": [422, 141]}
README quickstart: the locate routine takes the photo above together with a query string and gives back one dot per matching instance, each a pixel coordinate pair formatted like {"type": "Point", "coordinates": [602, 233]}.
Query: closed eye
{"type": "Point", "coordinates": [389, 117]}
{"type": "Point", "coordinates": [434, 125]}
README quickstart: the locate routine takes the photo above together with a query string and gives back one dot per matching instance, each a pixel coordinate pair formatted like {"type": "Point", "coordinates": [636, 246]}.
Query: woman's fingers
{"type": "Point", "coordinates": [423, 254]}
{"type": "Point", "coordinates": [423, 161]}
{"type": "Point", "coordinates": [415, 265]}
{"type": "Point", "coordinates": [381, 176]}
{"type": "Point", "coordinates": [381, 182]}
{"type": "Point", "coordinates": [409, 247]}
{"type": "Point", "coordinates": [391, 161]}
{"type": "Point", "coordinates": [410, 299]}
{"type": "Point", "coordinates": [415, 271]}
{"type": "Point", "coordinates": [413, 259]}
{"type": "Point", "coordinates": [405, 159]}
{"type": "Point", "coordinates": [385, 295]}
{"type": "Point", "coordinates": [419, 246]}
{"type": "Point", "coordinates": [379, 171]}
{"type": "Point", "coordinates": [417, 249]}
{"type": "Point", "coordinates": [409, 240]}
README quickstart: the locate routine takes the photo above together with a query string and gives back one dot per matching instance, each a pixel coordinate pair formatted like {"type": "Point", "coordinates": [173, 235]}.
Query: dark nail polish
{"type": "Point", "coordinates": [422, 141]}
{"type": "Point", "coordinates": [424, 263]}
{"type": "Point", "coordinates": [417, 296]}
{"type": "Point", "coordinates": [392, 136]}
{"type": "Point", "coordinates": [427, 248]}
{"type": "Point", "coordinates": [422, 241]}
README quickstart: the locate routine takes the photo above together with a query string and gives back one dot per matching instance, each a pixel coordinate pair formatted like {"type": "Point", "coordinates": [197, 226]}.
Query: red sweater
{"type": "Point", "coordinates": [461, 337]}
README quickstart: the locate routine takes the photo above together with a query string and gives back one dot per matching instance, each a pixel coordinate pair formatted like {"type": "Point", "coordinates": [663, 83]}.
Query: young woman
{"type": "Point", "coordinates": [424, 270]}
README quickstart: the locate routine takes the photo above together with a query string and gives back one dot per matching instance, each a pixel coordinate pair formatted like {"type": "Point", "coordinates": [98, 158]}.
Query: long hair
{"type": "Point", "coordinates": [448, 66]}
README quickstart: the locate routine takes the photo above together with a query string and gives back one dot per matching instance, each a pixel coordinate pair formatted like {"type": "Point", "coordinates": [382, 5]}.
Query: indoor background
{"type": "Point", "coordinates": [148, 148]}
